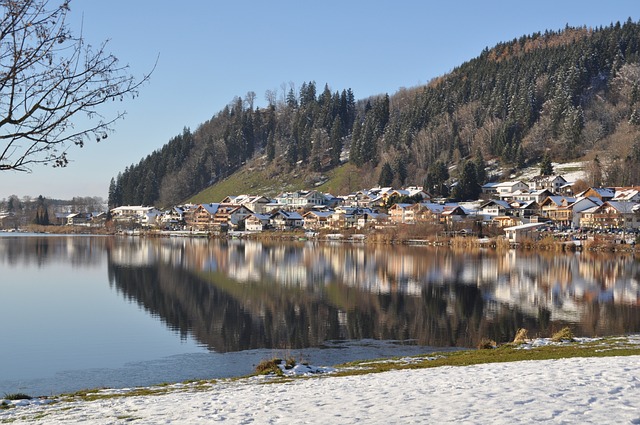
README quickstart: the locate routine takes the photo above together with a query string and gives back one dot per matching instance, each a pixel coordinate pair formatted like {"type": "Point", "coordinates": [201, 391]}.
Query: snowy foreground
{"type": "Point", "coordinates": [579, 390]}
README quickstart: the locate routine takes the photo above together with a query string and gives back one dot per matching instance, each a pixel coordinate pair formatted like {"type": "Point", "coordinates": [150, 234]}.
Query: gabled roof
{"type": "Point", "coordinates": [210, 208]}
{"type": "Point", "coordinates": [401, 206]}
{"type": "Point", "coordinates": [500, 203]}
{"type": "Point", "coordinates": [322, 214]}
{"type": "Point", "coordinates": [541, 178]}
{"type": "Point", "coordinates": [626, 194]}
{"type": "Point", "coordinates": [261, 217]}
{"type": "Point", "coordinates": [558, 200]}
{"type": "Point", "coordinates": [289, 215]}
{"type": "Point", "coordinates": [603, 192]}
{"type": "Point", "coordinates": [623, 207]}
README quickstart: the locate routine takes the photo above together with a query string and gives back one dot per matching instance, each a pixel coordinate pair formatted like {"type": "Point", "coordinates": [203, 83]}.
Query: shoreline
{"type": "Point", "coordinates": [501, 392]}
{"type": "Point", "coordinates": [547, 242]}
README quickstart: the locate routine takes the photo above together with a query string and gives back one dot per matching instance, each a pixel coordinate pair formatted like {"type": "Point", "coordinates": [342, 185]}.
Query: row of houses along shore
{"type": "Point", "coordinates": [517, 210]}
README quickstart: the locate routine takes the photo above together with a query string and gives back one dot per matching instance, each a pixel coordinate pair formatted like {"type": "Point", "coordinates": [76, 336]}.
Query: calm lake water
{"type": "Point", "coordinates": [84, 312]}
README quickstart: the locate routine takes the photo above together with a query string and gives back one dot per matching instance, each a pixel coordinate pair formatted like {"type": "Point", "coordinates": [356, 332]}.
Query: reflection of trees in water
{"type": "Point", "coordinates": [229, 316]}
{"type": "Point", "coordinates": [80, 251]}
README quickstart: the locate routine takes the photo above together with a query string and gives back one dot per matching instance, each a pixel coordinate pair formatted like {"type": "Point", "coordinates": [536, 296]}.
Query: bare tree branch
{"type": "Point", "coordinates": [48, 77]}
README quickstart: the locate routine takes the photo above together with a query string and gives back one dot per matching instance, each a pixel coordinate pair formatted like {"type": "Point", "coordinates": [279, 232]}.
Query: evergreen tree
{"type": "Point", "coordinates": [546, 167]}
{"type": "Point", "coordinates": [481, 168]}
{"type": "Point", "coordinates": [400, 169]}
{"type": "Point", "coordinates": [468, 188]}
{"type": "Point", "coordinates": [386, 175]}
{"type": "Point", "coordinates": [436, 179]}
{"type": "Point", "coordinates": [336, 141]}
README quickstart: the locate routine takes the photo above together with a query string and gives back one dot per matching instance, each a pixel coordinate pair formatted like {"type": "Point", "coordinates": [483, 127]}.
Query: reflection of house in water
{"type": "Point", "coordinates": [246, 294]}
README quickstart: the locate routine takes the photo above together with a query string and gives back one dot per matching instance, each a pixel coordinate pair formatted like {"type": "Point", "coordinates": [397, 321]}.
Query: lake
{"type": "Point", "coordinates": [87, 311]}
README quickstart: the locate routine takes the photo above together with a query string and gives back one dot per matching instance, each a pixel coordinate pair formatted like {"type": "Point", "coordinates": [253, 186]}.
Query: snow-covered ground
{"type": "Point", "coordinates": [579, 390]}
{"type": "Point", "coordinates": [570, 171]}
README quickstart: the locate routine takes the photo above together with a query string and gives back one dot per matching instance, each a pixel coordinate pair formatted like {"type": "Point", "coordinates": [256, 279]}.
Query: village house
{"type": "Point", "coordinates": [201, 217]}
{"type": "Point", "coordinates": [367, 217]}
{"type": "Point", "coordinates": [554, 184]}
{"type": "Point", "coordinates": [603, 193]}
{"type": "Point", "coordinates": [526, 211]}
{"type": "Point", "coordinates": [577, 208]}
{"type": "Point", "coordinates": [504, 190]}
{"type": "Point", "coordinates": [286, 220]}
{"type": "Point", "coordinates": [631, 194]}
{"type": "Point", "coordinates": [316, 220]}
{"type": "Point", "coordinates": [495, 208]}
{"type": "Point", "coordinates": [257, 204]}
{"type": "Point", "coordinates": [257, 222]}
{"type": "Point", "coordinates": [8, 220]}
{"type": "Point", "coordinates": [413, 192]}
{"type": "Point", "coordinates": [173, 218]}
{"type": "Point", "coordinates": [505, 221]}
{"type": "Point", "coordinates": [342, 218]}
{"type": "Point", "coordinates": [138, 214]}
{"type": "Point", "coordinates": [230, 216]}
{"type": "Point", "coordinates": [522, 232]}
{"type": "Point", "coordinates": [532, 195]}
{"type": "Point", "coordinates": [428, 212]}
{"type": "Point", "coordinates": [359, 199]}
{"type": "Point", "coordinates": [302, 199]}
{"type": "Point", "coordinates": [555, 208]}
{"type": "Point", "coordinates": [78, 219]}
{"type": "Point", "coordinates": [454, 214]}
{"type": "Point", "coordinates": [612, 215]}
{"type": "Point", "coordinates": [402, 214]}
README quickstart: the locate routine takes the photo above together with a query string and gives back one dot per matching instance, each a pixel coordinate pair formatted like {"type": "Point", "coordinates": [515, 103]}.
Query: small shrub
{"type": "Point", "coordinates": [521, 336]}
{"type": "Point", "coordinates": [266, 367]}
{"type": "Point", "coordinates": [564, 334]}
{"type": "Point", "coordinates": [486, 344]}
{"type": "Point", "coordinates": [17, 396]}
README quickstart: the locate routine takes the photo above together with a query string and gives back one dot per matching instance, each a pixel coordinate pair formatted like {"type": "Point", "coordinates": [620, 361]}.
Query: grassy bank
{"type": "Point", "coordinates": [522, 350]}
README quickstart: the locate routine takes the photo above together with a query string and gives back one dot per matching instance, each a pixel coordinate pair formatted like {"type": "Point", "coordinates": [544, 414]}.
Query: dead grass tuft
{"type": "Point", "coordinates": [564, 334]}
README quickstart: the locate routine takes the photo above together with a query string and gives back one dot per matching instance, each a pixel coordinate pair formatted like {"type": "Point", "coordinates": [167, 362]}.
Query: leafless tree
{"type": "Point", "coordinates": [48, 79]}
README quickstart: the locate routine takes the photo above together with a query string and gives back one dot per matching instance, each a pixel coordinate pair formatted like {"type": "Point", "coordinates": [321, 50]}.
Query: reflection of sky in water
{"type": "Point", "coordinates": [60, 316]}
{"type": "Point", "coordinates": [70, 316]}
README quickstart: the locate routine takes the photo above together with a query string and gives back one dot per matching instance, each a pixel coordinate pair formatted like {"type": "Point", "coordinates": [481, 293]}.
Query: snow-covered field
{"type": "Point", "coordinates": [570, 171]}
{"type": "Point", "coordinates": [579, 390]}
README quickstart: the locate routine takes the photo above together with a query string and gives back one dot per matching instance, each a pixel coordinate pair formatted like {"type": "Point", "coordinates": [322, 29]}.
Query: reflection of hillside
{"type": "Point", "coordinates": [27, 250]}
{"type": "Point", "coordinates": [237, 295]}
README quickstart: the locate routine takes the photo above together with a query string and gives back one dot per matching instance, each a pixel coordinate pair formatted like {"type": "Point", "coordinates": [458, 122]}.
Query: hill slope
{"type": "Point", "coordinates": [568, 94]}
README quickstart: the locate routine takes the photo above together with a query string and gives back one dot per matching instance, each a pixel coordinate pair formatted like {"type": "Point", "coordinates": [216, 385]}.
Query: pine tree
{"type": "Point", "coordinates": [386, 175]}
{"type": "Point", "coordinates": [481, 168]}
{"type": "Point", "coordinates": [468, 187]}
{"type": "Point", "coordinates": [336, 141]}
{"type": "Point", "coordinates": [546, 167]}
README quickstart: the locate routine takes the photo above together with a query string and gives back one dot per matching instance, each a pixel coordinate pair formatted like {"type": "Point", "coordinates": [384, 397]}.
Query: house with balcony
{"type": "Point", "coordinates": [504, 190]}
{"type": "Point", "coordinates": [554, 184]}
{"type": "Point", "coordinates": [402, 214]}
{"type": "Point", "coordinates": [257, 222]}
{"type": "Point", "coordinates": [201, 217]}
{"type": "Point", "coordinates": [230, 216]}
{"type": "Point", "coordinates": [300, 200]}
{"type": "Point", "coordinates": [612, 215]}
{"type": "Point", "coordinates": [603, 193]}
{"type": "Point", "coordinates": [556, 209]}
{"type": "Point", "coordinates": [286, 220]}
{"type": "Point", "coordinates": [316, 220]}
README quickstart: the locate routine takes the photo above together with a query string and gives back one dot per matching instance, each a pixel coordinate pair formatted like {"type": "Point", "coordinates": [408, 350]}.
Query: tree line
{"type": "Point", "coordinates": [565, 94]}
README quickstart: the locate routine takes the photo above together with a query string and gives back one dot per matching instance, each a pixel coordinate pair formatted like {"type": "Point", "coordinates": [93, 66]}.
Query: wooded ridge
{"type": "Point", "coordinates": [570, 94]}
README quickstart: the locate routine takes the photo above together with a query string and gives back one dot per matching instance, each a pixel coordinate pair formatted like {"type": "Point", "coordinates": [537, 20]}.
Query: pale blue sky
{"type": "Point", "coordinates": [211, 51]}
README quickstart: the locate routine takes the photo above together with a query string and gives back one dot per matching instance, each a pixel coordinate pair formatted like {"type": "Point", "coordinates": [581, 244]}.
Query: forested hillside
{"type": "Point", "coordinates": [568, 94]}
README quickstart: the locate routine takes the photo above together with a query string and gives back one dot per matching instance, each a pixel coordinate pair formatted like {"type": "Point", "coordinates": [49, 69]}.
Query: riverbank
{"type": "Point", "coordinates": [570, 390]}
